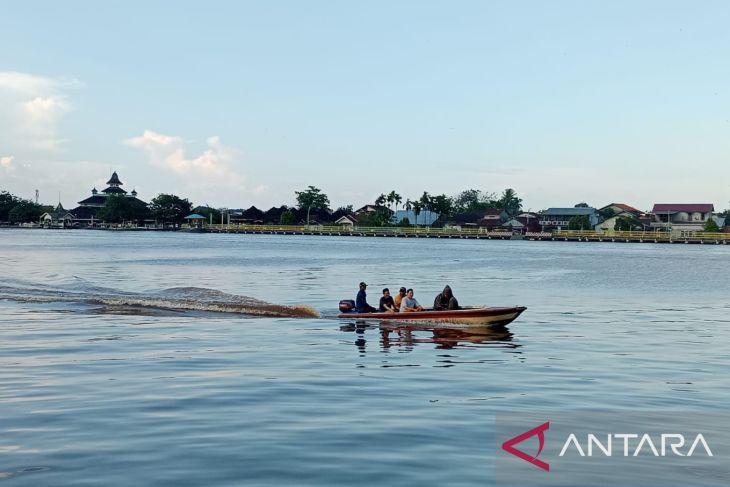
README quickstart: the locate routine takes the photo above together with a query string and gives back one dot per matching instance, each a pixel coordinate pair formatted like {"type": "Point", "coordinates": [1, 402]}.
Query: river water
{"type": "Point", "coordinates": [117, 366]}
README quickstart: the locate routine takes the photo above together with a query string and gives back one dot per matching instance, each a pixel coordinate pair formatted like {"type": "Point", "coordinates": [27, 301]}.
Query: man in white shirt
{"type": "Point", "coordinates": [409, 303]}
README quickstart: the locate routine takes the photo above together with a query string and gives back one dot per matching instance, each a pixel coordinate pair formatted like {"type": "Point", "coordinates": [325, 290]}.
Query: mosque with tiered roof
{"type": "Point", "coordinates": [85, 213]}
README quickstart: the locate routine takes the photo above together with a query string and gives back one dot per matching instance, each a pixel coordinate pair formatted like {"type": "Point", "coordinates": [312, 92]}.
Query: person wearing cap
{"type": "Point", "coordinates": [399, 297]}
{"type": "Point", "coordinates": [361, 303]}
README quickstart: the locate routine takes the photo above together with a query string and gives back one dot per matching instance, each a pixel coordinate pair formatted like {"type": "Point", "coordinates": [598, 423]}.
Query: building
{"type": "Point", "coordinates": [622, 210]}
{"type": "Point", "coordinates": [346, 221]}
{"type": "Point", "coordinates": [530, 222]}
{"type": "Point", "coordinates": [424, 217]}
{"type": "Point", "coordinates": [619, 208]}
{"type": "Point", "coordinates": [559, 218]}
{"type": "Point", "coordinates": [488, 219]}
{"type": "Point", "coordinates": [681, 216]}
{"type": "Point", "coordinates": [367, 209]}
{"type": "Point", "coordinates": [58, 218]}
{"type": "Point", "coordinates": [85, 213]}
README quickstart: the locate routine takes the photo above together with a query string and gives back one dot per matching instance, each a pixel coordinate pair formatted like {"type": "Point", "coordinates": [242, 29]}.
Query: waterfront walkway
{"type": "Point", "coordinates": [425, 232]}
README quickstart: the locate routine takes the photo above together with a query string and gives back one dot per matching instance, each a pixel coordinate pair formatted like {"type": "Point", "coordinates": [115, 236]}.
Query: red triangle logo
{"type": "Point", "coordinates": [509, 445]}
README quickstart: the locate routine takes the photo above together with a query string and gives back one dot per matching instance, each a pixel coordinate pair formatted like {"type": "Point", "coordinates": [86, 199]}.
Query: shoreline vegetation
{"type": "Point", "coordinates": [470, 214]}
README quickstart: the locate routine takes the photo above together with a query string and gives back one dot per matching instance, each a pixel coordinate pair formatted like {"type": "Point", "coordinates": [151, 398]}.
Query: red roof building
{"type": "Point", "coordinates": [682, 216]}
{"type": "Point", "coordinates": [684, 207]}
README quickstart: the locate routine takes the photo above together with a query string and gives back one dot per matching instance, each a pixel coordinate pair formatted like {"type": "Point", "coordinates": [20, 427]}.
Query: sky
{"type": "Point", "coordinates": [234, 104]}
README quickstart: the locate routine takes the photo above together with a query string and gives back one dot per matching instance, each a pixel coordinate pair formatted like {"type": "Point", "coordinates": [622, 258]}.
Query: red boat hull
{"type": "Point", "coordinates": [465, 316]}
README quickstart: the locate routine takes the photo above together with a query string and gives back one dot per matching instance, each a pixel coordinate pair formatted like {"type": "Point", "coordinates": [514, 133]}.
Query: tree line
{"type": "Point", "coordinates": [18, 210]}
{"type": "Point", "coordinates": [445, 206]}
{"type": "Point", "coordinates": [311, 204]}
{"type": "Point", "coordinates": [165, 208]}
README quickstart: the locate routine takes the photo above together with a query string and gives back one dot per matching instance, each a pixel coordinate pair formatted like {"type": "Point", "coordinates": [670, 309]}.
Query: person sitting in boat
{"type": "Point", "coordinates": [386, 302]}
{"type": "Point", "coordinates": [361, 303]}
{"type": "Point", "coordinates": [445, 300]}
{"type": "Point", "coordinates": [409, 303]}
{"type": "Point", "coordinates": [399, 297]}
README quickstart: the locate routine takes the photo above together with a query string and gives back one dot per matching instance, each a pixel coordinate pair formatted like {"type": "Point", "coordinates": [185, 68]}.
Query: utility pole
{"type": "Point", "coordinates": [669, 228]}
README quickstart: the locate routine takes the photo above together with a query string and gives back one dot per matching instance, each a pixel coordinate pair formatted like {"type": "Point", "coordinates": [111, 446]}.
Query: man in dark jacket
{"type": "Point", "coordinates": [361, 303]}
{"type": "Point", "coordinates": [445, 301]}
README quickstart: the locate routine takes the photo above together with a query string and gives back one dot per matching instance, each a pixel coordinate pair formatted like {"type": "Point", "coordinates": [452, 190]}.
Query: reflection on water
{"type": "Point", "coordinates": [129, 374]}
{"type": "Point", "coordinates": [406, 336]}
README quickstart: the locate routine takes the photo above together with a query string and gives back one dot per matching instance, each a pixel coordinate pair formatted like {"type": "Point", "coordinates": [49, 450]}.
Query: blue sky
{"type": "Point", "coordinates": [241, 103]}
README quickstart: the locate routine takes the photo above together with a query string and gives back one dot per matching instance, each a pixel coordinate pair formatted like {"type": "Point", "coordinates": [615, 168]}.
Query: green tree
{"type": "Point", "coordinates": [391, 199]}
{"type": "Point", "coordinates": [443, 205]}
{"type": "Point", "coordinates": [579, 222]}
{"type": "Point", "coordinates": [287, 218]}
{"type": "Point", "coordinates": [405, 222]}
{"type": "Point", "coordinates": [711, 226]}
{"type": "Point", "coordinates": [120, 208]}
{"type": "Point", "coordinates": [377, 218]}
{"type": "Point", "coordinates": [169, 208]}
{"type": "Point", "coordinates": [207, 211]}
{"type": "Point", "coordinates": [417, 207]}
{"type": "Point", "coordinates": [7, 202]}
{"type": "Point", "coordinates": [397, 200]}
{"type": "Point", "coordinates": [511, 203]}
{"type": "Point", "coordinates": [312, 198]}
{"type": "Point", "coordinates": [471, 200]}
{"type": "Point", "coordinates": [627, 224]}
{"type": "Point", "coordinates": [426, 203]}
{"type": "Point", "coordinates": [24, 211]}
{"type": "Point", "coordinates": [582, 204]}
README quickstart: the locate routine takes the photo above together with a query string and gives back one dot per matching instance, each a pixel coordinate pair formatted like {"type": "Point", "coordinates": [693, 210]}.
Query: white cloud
{"type": "Point", "coordinates": [214, 167]}
{"type": "Point", "coordinates": [260, 189]}
{"type": "Point", "coordinates": [7, 163]}
{"type": "Point", "coordinates": [33, 107]}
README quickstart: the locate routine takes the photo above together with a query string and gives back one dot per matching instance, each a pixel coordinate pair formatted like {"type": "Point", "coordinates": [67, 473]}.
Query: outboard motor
{"type": "Point", "coordinates": [347, 306]}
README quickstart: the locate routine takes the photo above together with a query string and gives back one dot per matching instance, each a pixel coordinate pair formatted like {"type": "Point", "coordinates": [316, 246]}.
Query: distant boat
{"type": "Point", "coordinates": [463, 316]}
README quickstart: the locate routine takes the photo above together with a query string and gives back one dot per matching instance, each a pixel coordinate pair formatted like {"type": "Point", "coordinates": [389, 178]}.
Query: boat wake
{"type": "Point", "coordinates": [173, 299]}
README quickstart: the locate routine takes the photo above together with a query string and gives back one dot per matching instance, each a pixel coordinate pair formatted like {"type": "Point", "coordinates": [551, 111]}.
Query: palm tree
{"type": "Point", "coordinates": [397, 198]}
{"type": "Point", "coordinates": [426, 202]}
{"type": "Point", "coordinates": [511, 203]}
{"type": "Point", "coordinates": [380, 200]}
{"type": "Point", "coordinates": [391, 199]}
{"type": "Point", "coordinates": [408, 206]}
{"type": "Point", "coordinates": [416, 205]}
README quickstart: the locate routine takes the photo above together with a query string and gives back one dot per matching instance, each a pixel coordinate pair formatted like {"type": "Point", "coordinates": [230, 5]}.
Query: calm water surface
{"type": "Point", "coordinates": [94, 393]}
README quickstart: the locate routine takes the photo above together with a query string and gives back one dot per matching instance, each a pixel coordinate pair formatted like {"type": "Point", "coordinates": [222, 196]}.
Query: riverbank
{"type": "Point", "coordinates": [558, 236]}
{"type": "Point", "coordinates": [699, 238]}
